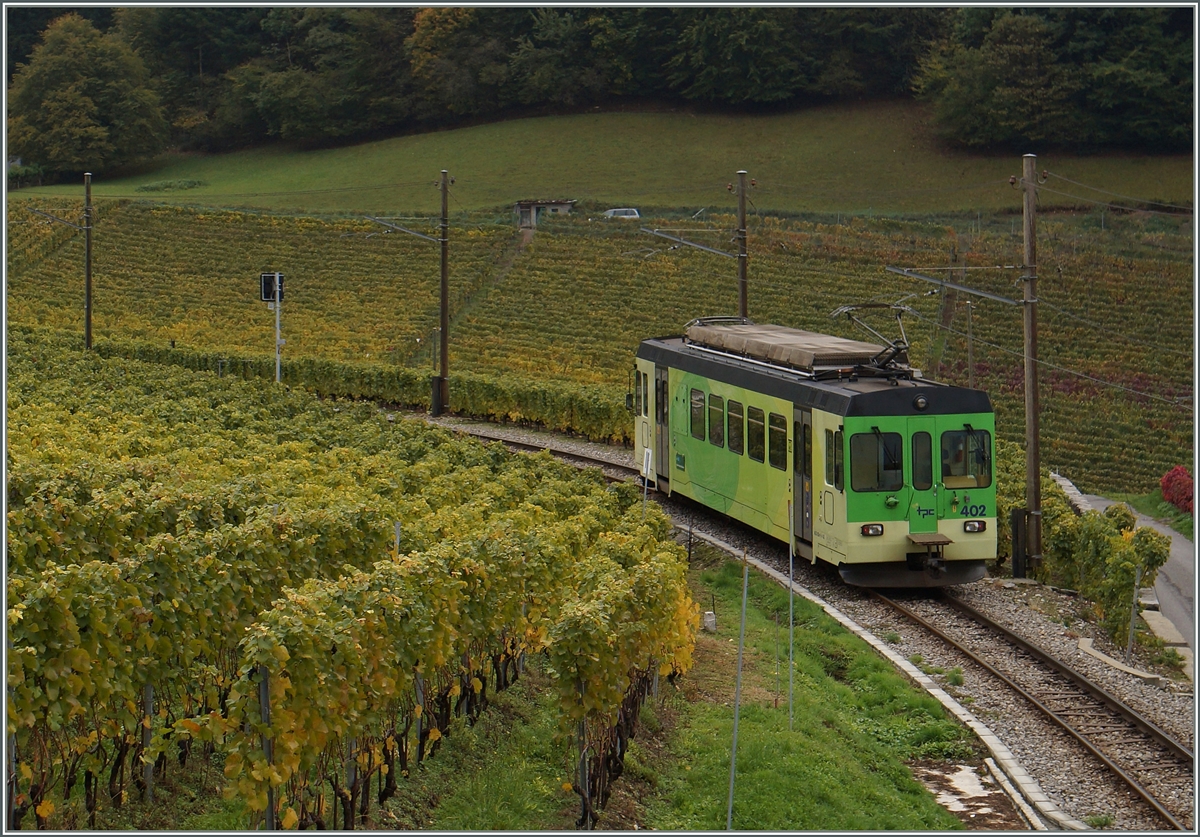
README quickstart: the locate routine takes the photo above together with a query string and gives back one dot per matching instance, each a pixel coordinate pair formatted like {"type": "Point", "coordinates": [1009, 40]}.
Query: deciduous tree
{"type": "Point", "coordinates": [83, 102]}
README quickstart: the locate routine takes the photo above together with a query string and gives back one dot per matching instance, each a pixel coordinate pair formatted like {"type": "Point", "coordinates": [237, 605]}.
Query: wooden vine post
{"type": "Point", "coordinates": [585, 818]}
{"type": "Point", "coordinates": [147, 762]}
{"type": "Point", "coordinates": [264, 701]}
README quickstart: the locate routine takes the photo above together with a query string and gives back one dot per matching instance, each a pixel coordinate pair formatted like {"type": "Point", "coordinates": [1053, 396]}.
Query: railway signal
{"type": "Point", "coordinates": [271, 285]}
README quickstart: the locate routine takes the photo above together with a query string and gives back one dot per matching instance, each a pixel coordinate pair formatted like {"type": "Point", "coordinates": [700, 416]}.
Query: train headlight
{"type": "Point", "coordinates": [975, 526]}
{"type": "Point", "coordinates": [871, 530]}
{"type": "Point", "coordinates": [920, 402]}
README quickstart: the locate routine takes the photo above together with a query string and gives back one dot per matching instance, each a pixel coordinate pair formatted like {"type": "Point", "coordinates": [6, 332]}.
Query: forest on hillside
{"type": "Point", "coordinates": [103, 87]}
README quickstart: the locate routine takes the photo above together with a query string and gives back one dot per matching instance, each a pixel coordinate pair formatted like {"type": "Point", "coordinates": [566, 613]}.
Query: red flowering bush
{"type": "Point", "coordinates": [1178, 488]}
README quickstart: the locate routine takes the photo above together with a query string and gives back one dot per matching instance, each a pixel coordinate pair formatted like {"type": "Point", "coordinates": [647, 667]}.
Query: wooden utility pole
{"type": "Point", "coordinates": [741, 237]}
{"type": "Point", "coordinates": [1033, 460]}
{"type": "Point", "coordinates": [441, 393]}
{"type": "Point", "coordinates": [87, 260]}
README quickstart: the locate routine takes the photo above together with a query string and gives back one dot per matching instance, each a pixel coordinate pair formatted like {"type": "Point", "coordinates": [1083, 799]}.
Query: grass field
{"type": "Point", "coordinates": [876, 157]}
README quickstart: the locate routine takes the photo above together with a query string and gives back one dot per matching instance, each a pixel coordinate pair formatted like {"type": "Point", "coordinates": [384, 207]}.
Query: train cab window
{"type": "Point", "coordinates": [756, 441]}
{"type": "Point", "coordinates": [716, 420]}
{"type": "Point", "coordinates": [834, 460]}
{"type": "Point", "coordinates": [777, 441]}
{"type": "Point", "coordinates": [697, 422]}
{"type": "Point", "coordinates": [876, 461]}
{"type": "Point", "coordinates": [736, 428]}
{"type": "Point", "coordinates": [922, 461]}
{"type": "Point", "coordinates": [966, 458]}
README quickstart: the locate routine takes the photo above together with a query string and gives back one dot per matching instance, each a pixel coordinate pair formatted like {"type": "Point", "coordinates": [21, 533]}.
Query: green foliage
{"type": "Point", "coordinates": [1098, 554]}
{"type": "Point", "coordinates": [1101, 555]}
{"type": "Point", "coordinates": [1054, 78]}
{"type": "Point", "coordinates": [231, 77]}
{"type": "Point", "coordinates": [738, 55]}
{"type": "Point", "coordinates": [25, 175]}
{"type": "Point", "coordinates": [83, 102]}
{"type": "Point", "coordinates": [170, 185]}
{"type": "Point", "coordinates": [183, 530]}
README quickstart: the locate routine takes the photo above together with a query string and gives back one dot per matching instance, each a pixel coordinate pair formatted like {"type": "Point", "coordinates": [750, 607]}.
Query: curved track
{"type": "Point", "coordinates": [1154, 765]}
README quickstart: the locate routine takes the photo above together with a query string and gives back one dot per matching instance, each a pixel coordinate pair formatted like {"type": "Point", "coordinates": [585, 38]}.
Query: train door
{"type": "Point", "coordinates": [662, 427]}
{"type": "Point", "coordinates": [802, 476]}
{"type": "Point", "coordinates": [922, 508]}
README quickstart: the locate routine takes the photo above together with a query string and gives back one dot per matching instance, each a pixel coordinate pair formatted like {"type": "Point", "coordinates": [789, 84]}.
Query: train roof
{"type": "Point", "coordinates": [783, 346]}
{"type": "Point", "coordinates": [800, 366]}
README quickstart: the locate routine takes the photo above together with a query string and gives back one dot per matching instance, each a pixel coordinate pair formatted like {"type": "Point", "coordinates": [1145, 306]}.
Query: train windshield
{"type": "Point", "coordinates": [876, 461]}
{"type": "Point", "coordinates": [967, 458]}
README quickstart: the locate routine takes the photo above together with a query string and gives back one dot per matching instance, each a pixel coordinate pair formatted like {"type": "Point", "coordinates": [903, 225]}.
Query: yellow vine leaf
{"type": "Point", "coordinates": [435, 734]}
{"type": "Point", "coordinates": [45, 808]}
{"type": "Point", "coordinates": [290, 818]}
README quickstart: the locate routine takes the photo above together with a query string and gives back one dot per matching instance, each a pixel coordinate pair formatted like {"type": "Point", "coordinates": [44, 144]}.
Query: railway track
{"type": "Point", "coordinates": [1155, 766]}
{"type": "Point", "coordinates": [613, 471]}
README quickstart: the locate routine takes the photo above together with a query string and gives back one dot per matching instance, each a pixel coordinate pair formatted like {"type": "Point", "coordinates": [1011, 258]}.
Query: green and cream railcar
{"type": "Point", "coordinates": [886, 475]}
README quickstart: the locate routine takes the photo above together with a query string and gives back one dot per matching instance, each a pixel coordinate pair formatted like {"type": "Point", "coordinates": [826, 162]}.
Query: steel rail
{"type": "Point", "coordinates": [1177, 748]}
{"type": "Point", "coordinates": [590, 461]}
{"type": "Point", "coordinates": [1050, 713]}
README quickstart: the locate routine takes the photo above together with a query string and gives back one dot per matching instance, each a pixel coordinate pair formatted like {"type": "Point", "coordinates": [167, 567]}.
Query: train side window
{"type": "Point", "coordinates": [637, 394]}
{"type": "Point", "coordinates": [834, 460]}
{"type": "Point", "coordinates": [839, 462]}
{"type": "Point", "coordinates": [829, 457]}
{"type": "Point", "coordinates": [736, 431]}
{"type": "Point", "coordinates": [808, 469]}
{"type": "Point", "coordinates": [876, 461]}
{"type": "Point", "coordinates": [646, 395]}
{"type": "Point", "coordinates": [922, 458]}
{"type": "Point", "coordinates": [797, 465]}
{"type": "Point", "coordinates": [967, 458]}
{"type": "Point", "coordinates": [756, 441]}
{"type": "Point", "coordinates": [777, 441]}
{"type": "Point", "coordinates": [716, 420]}
{"type": "Point", "coordinates": [697, 414]}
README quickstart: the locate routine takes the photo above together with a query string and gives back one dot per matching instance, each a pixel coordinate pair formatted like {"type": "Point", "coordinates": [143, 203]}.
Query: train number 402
{"type": "Point", "coordinates": [973, 511]}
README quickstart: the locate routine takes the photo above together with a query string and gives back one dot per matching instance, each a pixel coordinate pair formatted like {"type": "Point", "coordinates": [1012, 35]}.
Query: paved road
{"type": "Point", "coordinates": [1176, 582]}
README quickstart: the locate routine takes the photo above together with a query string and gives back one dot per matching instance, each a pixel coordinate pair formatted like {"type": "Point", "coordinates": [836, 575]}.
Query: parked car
{"type": "Point", "coordinates": [622, 213]}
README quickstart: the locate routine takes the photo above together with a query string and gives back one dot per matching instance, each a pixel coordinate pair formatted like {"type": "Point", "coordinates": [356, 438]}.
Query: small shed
{"type": "Point", "coordinates": [528, 212]}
